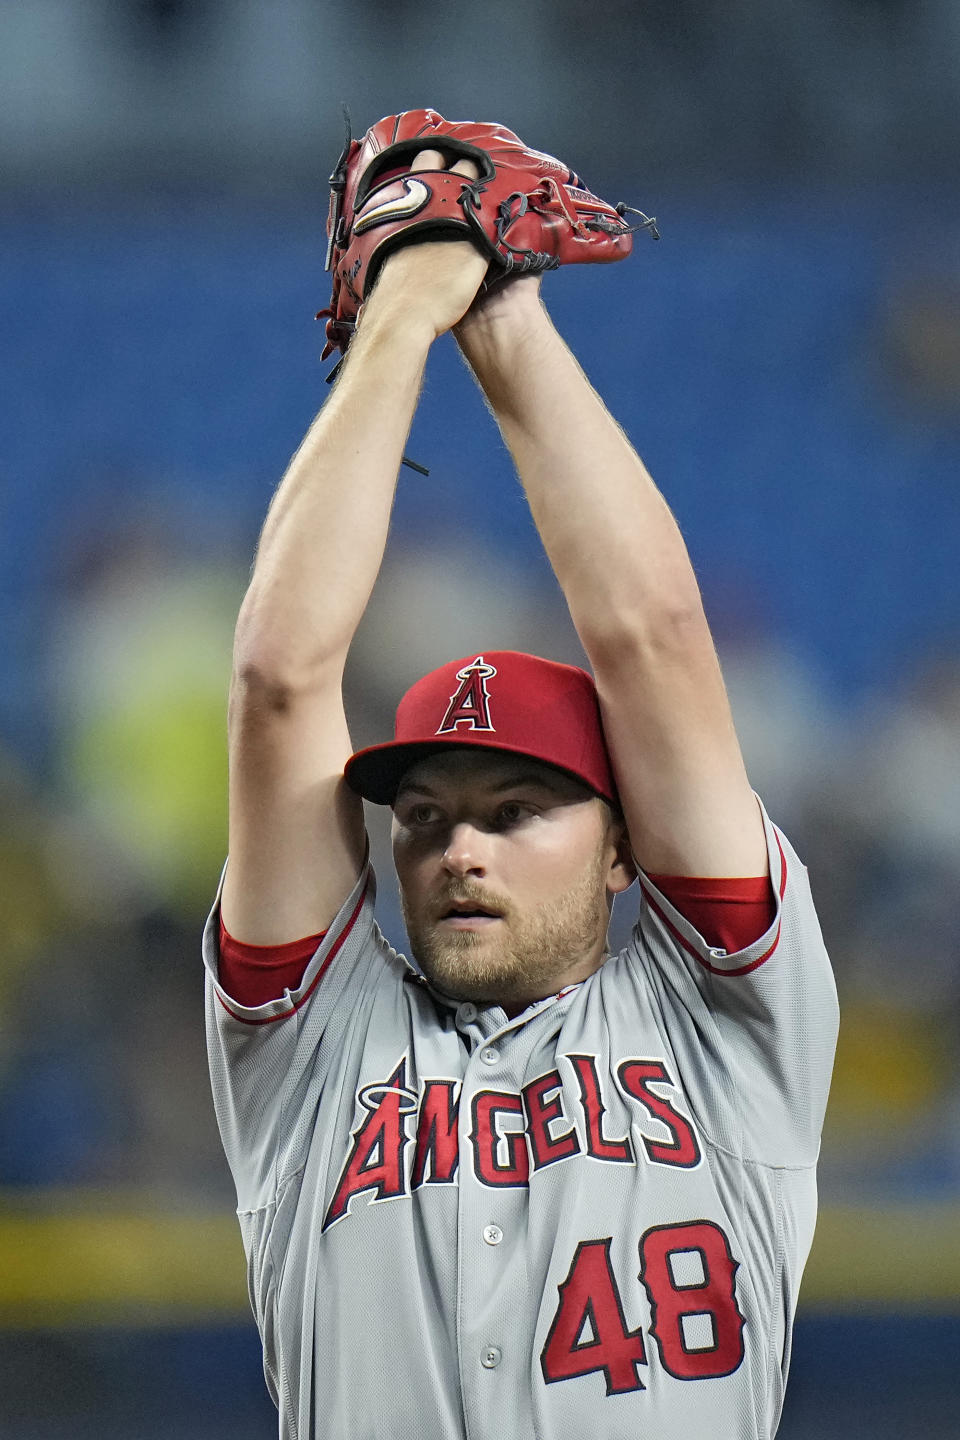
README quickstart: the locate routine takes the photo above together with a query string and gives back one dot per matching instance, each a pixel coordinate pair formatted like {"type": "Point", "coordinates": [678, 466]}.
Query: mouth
{"type": "Point", "coordinates": [465, 915]}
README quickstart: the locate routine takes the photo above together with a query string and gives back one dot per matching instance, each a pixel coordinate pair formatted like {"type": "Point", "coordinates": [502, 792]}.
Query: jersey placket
{"type": "Point", "coordinates": [494, 1268]}
{"type": "Point", "coordinates": [491, 1218]}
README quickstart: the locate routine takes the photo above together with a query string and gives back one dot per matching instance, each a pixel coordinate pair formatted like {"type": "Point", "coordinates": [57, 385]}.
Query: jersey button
{"type": "Point", "coordinates": [489, 1055]}
{"type": "Point", "coordinates": [466, 1013]}
{"type": "Point", "coordinates": [491, 1357]}
{"type": "Point", "coordinates": [492, 1234]}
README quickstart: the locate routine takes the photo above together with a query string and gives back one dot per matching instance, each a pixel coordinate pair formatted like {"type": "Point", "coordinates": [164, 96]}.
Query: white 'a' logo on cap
{"type": "Point", "coordinates": [470, 704]}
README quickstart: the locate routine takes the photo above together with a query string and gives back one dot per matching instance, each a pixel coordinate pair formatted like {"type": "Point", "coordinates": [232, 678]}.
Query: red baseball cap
{"type": "Point", "coordinates": [500, 700]}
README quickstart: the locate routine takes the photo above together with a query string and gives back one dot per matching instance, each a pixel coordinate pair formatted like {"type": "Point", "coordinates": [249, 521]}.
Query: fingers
{"type": "Point", "coordinates": [434, 160]}
{"type": "Point", "coordinates": [428, 160]}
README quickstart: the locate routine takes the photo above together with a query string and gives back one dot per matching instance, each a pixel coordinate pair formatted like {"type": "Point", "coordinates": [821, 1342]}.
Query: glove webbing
{"type": "Point", "coordinates": [535, 260]}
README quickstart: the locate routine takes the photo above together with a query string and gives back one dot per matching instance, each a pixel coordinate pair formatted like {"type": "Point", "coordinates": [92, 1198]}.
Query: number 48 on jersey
{"type": "Point", "coordinates": [688, 1273]}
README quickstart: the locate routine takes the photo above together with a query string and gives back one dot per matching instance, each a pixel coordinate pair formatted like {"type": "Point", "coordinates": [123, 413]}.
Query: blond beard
{"type": "Point", "coordinates": [532, 956]}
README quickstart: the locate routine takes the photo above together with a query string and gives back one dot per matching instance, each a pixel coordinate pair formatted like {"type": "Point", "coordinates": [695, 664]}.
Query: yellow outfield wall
{"type": "Point", "coordinates": [109, 1259]}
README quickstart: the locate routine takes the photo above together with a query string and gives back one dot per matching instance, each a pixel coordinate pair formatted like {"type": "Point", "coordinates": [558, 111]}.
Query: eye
{"type": "Point", "coordinates": [511, 812]}
{"type": "Point", "coordinates": [421, 814]}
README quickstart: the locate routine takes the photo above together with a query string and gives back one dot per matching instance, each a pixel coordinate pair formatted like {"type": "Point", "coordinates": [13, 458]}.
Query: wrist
{"type": "Point", "coordinates": [498, 324]}
{"type": "Point", "coordinates": [388, 317]}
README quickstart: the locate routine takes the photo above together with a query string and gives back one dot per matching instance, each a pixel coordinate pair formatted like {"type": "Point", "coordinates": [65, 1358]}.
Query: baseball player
{"type": "Point", "coordinates": [515, 1186]}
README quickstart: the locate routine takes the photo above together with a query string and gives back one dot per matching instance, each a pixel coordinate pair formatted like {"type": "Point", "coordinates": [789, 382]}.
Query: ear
{"type": "Point", "coordinates": [622, 871]}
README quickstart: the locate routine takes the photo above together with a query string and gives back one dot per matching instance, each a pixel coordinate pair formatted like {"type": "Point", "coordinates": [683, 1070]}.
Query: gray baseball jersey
{"type": "Point", "coordinates": [590, 1219]}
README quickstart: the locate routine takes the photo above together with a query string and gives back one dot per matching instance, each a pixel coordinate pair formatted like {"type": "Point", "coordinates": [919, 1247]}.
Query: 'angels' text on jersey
{"type": "Point", "coordinates": [509, 1132]}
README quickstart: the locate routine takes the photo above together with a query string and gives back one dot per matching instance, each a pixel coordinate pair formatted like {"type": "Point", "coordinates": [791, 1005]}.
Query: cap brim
{"type": "Point", "coordinates": [376, 772]}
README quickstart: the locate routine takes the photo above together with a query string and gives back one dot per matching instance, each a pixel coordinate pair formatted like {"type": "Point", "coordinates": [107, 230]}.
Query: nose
{"type": "Point", "coordinates": [464, 851]}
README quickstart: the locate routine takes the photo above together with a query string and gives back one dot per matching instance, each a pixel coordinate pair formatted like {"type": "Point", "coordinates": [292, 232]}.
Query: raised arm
{"type": "Point", "coordinates": [624, 570]}
{"type": "Point", "coordinates": [296, 833]}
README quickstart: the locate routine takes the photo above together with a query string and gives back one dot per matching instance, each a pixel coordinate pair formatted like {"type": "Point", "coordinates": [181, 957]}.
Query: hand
{"type": "Point", "coordinates": [435, 282]}
{"type": "Point", "coordinates": [510, 303]}
{"type": "Point", "coordinates": [509, 312]}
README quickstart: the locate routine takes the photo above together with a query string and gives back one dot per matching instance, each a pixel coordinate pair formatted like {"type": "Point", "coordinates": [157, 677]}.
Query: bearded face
{"type": "Point", "coordinates": [507, 869]}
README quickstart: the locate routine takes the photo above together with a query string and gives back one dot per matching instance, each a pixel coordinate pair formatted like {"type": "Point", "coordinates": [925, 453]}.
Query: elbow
{"type": "Point", "coordinates": [280, 650]}
{"type": "Point", "coordinates": [624, 635]}
{"type": "Point", "coordinates": [256, 688]}
{"type": "Point", "coordinates": [272, 664]}
{"type": "Point", "coordinates": [272, 685]}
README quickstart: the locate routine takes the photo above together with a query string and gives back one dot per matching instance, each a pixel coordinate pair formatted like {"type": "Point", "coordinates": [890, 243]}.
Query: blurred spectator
{"type": "Point", "coordinates": [32, 906]}
{"type": "Point", "coordinates": [139, 679]}
{"type": "Point", "coordinates": [892, 822]}
{"type": "Point", "coordinates": [785, 722]}
{"type": "Point", "coordinates": [102, 1066]}
{"type": "Point", "coordinates": [909, 767]}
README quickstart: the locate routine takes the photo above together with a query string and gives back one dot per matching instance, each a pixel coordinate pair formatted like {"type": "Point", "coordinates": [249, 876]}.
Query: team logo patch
{"type": "Point", "coordinates": [470, 704]}
{"type": "Point", "coordinates": [415, 196]}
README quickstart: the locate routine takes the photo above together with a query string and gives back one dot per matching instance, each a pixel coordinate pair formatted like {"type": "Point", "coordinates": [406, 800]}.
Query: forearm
{"type": "Point", "coordinates": [613, 543]}
{"type": "Point", "coordinates": [323, 540]}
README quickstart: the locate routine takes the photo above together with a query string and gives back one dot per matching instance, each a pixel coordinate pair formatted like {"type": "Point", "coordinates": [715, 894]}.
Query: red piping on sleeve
{"type": "Point", "coordinates": [691, 950]}
{"type": "Point", "coordinates": [295, 1005]}
{"type": "Point", "coordinates": [730, 914]}
{"type": "Point", "coordinates": [255, 974]}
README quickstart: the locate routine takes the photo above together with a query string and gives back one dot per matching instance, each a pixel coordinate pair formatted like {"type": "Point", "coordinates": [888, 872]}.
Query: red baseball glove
{"type": "Point", "coordinates": [526, 211]}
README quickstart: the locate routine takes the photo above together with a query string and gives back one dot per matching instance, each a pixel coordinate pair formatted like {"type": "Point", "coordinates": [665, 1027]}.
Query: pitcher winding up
{"type": "Point", "coordinates": [514, 1187]}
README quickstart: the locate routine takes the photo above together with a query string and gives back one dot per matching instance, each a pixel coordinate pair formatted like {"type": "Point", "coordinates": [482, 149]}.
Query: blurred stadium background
{"type": "Point", "coordinates": [788, 362]}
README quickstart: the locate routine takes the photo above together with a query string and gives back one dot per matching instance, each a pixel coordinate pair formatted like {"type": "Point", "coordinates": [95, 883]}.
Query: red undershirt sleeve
{"type": "Point", "coordinates": [254, 974]}
{"type": "Point", "coordinates": [730, 914]}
